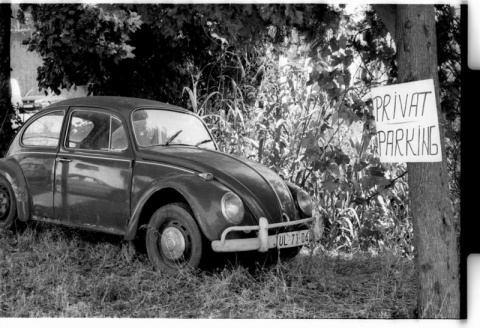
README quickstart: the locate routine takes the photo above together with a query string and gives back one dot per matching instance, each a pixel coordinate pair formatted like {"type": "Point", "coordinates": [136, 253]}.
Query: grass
{"type": "Point", "coordinates": [48, 271]}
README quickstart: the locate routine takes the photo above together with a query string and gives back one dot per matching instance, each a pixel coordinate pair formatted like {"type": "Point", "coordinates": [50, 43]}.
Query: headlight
{"type": "Point", "coordinates": [232, 208]}
{"type": "Point", "coordinates": [304, 202]}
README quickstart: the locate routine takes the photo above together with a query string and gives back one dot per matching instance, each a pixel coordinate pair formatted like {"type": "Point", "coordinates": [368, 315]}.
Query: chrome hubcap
{"type": "Point", "coordinates": [4, 202]}
{"type": "Point", "coordinates": [172, 243]}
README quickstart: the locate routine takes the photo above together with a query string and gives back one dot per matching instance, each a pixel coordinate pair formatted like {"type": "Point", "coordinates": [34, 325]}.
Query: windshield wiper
{"type": "Point", "coordinates": [172, 137]}
{"type": "Point", "coordinates": [203, 142]}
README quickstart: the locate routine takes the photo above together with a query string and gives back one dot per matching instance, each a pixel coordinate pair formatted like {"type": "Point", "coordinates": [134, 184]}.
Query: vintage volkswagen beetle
{"type": "Point", "coordinates": [116, 164]}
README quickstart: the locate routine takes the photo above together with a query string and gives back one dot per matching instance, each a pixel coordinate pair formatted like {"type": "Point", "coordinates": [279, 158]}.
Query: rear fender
{"type": "Point", "coordinates": [11, 170]}
{"type": "Point", "coordinates": [203, 197]}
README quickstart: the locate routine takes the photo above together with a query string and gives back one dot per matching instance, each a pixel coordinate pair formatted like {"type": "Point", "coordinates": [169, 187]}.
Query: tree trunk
{"type": "Point", "coordinates": [5, 93]}
{"type": "Point", "coordinates": [435, 238]}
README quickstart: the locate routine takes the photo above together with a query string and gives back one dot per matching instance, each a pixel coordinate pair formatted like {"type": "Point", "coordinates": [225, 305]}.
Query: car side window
{"type": "Point", "coordinates": [96, 131]}
{"type": "Point", "coordinates": [119, 137]}
{"type": "Point", "coordinates": [44, 131]}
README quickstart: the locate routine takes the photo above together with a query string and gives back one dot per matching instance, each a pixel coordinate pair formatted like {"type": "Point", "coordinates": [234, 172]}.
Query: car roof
{"type": "Point", "coordinates": [124, 104]}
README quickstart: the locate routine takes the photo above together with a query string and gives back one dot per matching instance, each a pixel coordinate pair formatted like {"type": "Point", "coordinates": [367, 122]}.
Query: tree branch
{"type": "Point", "coordinates": [361, 200]}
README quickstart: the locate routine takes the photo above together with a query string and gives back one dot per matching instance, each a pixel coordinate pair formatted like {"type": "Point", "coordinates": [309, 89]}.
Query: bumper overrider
{"type": "Point", "coordinates": [263, 242]}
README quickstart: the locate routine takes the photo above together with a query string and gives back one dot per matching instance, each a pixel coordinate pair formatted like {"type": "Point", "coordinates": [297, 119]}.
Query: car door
{"type": "Point", "coordinates": [93, 172]}
{"type": "Point", "coordinates": [39, 146]}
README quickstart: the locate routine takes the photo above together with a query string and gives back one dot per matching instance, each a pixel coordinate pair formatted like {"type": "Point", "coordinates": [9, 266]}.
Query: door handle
{"type": "Point", "coordinates": [63, 159]}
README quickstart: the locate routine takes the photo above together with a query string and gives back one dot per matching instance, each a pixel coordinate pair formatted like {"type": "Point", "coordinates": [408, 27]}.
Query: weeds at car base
{"type": "Point", "coordinates": [49, 271]}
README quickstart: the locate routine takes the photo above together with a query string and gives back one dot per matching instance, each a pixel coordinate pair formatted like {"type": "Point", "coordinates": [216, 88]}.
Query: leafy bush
{"type": "Point", "coordinates": [283, 85]}
{"type": "Point", "coordinates": [304, 117]}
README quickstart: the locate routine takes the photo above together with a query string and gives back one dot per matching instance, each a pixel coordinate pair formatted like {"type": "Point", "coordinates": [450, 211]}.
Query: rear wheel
{"type": "Point", "coordinates": [8, 205]}
{"type": "Point", "coordinates": [173, 239]}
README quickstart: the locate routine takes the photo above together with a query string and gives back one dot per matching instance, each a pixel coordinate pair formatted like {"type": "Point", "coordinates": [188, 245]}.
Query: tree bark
{"type": "Point", "coordinates": [435, 238]}
{"type": "Point", "coordinates": [5, 93]}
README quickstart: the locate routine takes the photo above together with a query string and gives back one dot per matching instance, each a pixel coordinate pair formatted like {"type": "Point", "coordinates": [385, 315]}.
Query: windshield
{"type": "Point", "coordinates": [153, 127]}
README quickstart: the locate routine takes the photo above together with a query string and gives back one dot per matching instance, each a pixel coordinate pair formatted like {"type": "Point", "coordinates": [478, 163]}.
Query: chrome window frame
{"type": "Point", "coordinates": [74, 109]}
{"type": "Point", "coordinates": [31, 122]}
{"type": "Point", "coordinates": [170, 110]}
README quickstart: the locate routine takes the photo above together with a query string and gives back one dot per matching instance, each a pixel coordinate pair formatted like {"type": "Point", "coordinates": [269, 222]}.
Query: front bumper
{"type": "Point", "coordinates": [263, 242]}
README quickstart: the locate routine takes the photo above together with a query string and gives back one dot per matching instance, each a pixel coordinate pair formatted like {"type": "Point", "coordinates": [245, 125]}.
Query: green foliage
{"type": "Point", "coordinates": [377, 51]}
{"type": "Point", "coordinates": [147, 50]}
{"type": "Point", "coordinates": [282, 84]}
{"type": "Point", "coordinates": [449, 75]}
{"type": "Point", "coordinates": [308, 122]}
{"type": "Point", "coordinates": [80, 44]}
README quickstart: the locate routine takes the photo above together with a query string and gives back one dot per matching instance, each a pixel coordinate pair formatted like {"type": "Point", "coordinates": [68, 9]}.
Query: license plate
{"type": "Point", "coordinates": [292, 239]}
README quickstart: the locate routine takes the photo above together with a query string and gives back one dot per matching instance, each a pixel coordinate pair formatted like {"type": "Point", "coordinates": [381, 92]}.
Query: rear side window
{"type": "Point", "coordinates": [96, 131]}
{"type": "Point", "coordinates": [44, 131]}
{"type": "Point", "coordinates": [119, 137]}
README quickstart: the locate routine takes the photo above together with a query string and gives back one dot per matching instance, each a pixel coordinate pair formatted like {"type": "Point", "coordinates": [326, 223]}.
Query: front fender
{"type": "Point", "coordinates": [292, 187]}
{"type": "Point", "coordinates": [11, 170]}
{"type": "Point", "coordinates": [203, 197]}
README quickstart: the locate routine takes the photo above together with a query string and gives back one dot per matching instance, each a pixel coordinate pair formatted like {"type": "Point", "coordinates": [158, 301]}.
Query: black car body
{"type": "Point", "coordinates": [116, 164]}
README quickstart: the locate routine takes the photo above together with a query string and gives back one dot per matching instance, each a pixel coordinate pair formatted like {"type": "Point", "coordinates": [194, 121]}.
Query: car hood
{"type": "Point", "coordinates": [262, 190]}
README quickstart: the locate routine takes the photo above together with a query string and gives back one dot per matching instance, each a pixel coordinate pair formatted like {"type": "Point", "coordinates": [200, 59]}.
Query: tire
{"type": "Point", "coordinates": [8, 205]}
{"type": "Point", "coordinates": [181, 246]}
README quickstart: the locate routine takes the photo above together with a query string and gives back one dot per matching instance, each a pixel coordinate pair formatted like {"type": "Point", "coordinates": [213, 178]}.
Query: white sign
{"type": "Point", "coordinates": [407, 122]}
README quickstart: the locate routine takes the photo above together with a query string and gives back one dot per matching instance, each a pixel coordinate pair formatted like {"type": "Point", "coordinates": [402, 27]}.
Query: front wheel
{"type": "Point", "coordinates": [8, 205]}
{"type": "Point", "coordinates": [173, 239]}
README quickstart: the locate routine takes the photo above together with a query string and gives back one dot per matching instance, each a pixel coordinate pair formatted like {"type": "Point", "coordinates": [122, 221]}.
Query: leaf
{"type": "Point", "coordinates": [349, 223]}
{"type": "Point", "coordinates": [330, 186]}
{"type": "Point", "coordinates": [324, 127]}
{"type": "Point", "coordinates": [337, 60]}
{"type": "Point", "coordinates": [279, 123]}
{"type": "Point", "coordinates": [193, 98]}
{"type": "Point", "coordinates": [355, 144]}
{"type": "Point", "coordinates": [381, 202]}
{"type": "Point", "coordinates": [382, 181]}
{"type": "Point", "coordinates": [335, 117]}
{"type": "Point", "coordinates": [342, 159]}
{"type": "Point", "coordinates": [222, 39]}
{"type": "Point", "coordinates": [299, 159]}
{"type": "Point", "coordinates": [375, 171]}
{"type": "Point", "coordinates": [325, 53]}
{"type": "Point", "coordinates": [252, 142]}
{"type": "Point", "coordinates": [208, 97]}
{"type": "Point", "coordinates": [334, 45]}
{"type": "Point", "coordinates": [334, 169]}
{"type": "Point", "coordinates": [347, 62]}
{"type": "Point", "coordinates": [312, 285]}
{"type": "Point", "coordinates": [342, 42]}
{"type": "Point", "coordinates": [314, 75]}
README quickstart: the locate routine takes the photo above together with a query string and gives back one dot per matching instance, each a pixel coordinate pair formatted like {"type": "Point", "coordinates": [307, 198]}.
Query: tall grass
{"type": "Point", "coordinates": [47, 271]}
